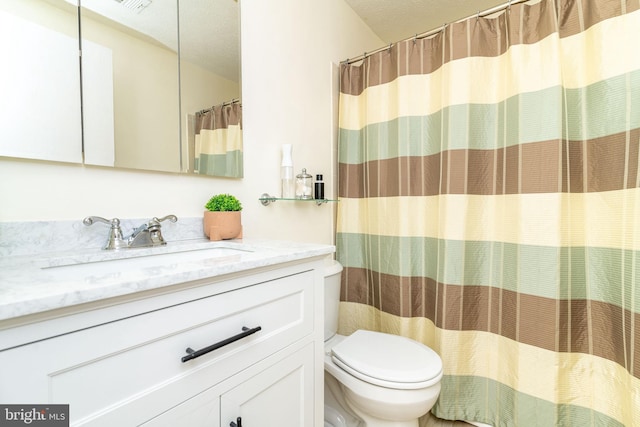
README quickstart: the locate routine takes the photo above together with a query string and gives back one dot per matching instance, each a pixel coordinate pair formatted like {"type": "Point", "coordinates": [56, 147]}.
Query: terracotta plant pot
{"type": "Point", "coordinates": [222, 225]}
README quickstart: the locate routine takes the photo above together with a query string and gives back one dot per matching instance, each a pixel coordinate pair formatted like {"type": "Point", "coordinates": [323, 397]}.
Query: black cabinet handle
{"type": "Point", "coordinates": [239, 420]}
{"type": "Point", "coordinates": [197, 353]}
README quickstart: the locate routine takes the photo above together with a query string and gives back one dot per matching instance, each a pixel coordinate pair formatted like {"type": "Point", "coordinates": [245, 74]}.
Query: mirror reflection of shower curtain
{"type": "Point", "coordinates": [218, 141]}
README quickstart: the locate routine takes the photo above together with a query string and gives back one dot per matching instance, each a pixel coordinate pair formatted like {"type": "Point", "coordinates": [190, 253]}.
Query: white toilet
{"type": "Point", "coordinates": [374, 379]}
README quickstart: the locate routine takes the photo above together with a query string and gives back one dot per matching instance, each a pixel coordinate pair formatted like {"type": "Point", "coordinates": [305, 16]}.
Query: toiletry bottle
{"type": "Point", "coordinates": [303, 185]}
{"type": "Point", "coordinates": [286, 173]}
{"type": "Point", "coordinates": [319, 188]}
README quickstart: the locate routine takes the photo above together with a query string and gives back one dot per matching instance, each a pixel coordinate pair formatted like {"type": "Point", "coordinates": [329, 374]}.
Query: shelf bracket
{"type": "Point", "coordinates": [265, 199]}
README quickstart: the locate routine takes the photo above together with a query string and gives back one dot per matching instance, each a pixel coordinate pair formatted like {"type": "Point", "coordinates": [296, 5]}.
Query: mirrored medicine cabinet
{"type": "Point", "coordinates": [147, 67]}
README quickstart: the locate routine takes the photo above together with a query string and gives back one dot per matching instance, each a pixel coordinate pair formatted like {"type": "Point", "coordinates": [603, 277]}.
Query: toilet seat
{"type": "Point", "coordinates": [387, 360]}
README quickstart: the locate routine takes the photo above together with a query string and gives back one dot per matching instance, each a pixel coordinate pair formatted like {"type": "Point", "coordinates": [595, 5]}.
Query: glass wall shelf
{"type": "Point", "coordinates": [266, 199]}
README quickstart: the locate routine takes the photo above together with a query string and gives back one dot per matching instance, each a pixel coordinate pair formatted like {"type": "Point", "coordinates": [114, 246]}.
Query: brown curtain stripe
{"type": "Point", "coordinates": [521, 23]}
{"type": "Point", "coordinates": [555, 325]}
{"type": "Point", "coordinates": [532, 167]}
{"type": "Point", "coordinates": [220, 117]}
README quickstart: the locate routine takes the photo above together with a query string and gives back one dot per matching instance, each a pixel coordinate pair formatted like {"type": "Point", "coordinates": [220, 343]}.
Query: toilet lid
{"type": "Point", "coordinates": [388, 360]}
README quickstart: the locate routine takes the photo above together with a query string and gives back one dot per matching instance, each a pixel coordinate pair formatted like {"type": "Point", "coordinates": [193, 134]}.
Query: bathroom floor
{"type": "Point", "coordinates": [432, 421]}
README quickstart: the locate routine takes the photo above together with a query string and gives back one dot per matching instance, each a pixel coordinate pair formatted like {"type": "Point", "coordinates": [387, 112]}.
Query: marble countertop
{"type": "Point", "coordinates": [34, 284]}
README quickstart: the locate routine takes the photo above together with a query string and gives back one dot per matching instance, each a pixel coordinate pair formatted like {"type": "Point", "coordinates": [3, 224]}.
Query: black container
{"type": "Point", "coordinates": [318, 192]}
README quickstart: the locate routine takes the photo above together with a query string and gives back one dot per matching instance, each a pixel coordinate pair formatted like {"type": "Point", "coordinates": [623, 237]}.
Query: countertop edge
{"type": "Point", "coordinates": [32, 292]}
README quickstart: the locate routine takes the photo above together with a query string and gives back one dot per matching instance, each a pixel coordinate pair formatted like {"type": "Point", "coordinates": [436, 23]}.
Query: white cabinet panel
{"type": "Point", "coordinates": [277, 392]}
{"type": "Point", "coordinates": [280, 396]}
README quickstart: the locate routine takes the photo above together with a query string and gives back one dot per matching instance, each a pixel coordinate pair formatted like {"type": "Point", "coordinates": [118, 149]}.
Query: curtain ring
{"type": "Point", "coordinates": [478, 16]}
{"type": "Point", "coordinates": [389, 48]}
{"type": "Point", "coordinates": [415, 38]}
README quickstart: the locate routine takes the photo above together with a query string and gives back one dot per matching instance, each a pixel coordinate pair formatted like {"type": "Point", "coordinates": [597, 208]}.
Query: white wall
{"type": "Point", "coordinates": [288, 47]}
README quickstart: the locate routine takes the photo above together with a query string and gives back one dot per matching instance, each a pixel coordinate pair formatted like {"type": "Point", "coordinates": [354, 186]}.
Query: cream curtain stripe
{"type": "Point", "coordinates": [221, 141]}
{"type": "Point", "coordinates": [596, 218]}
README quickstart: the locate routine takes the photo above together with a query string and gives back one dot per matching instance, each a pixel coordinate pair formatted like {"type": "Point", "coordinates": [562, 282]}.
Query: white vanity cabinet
{"type": "Point", "coordinates": [119, 362]}
{"type": "Point", "coordinates": [278, 392]}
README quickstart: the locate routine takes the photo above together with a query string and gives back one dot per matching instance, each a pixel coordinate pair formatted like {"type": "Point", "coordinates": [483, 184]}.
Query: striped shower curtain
{"type": "Point", "coordinates": [218, 141]}
{"type": "Point", "coordinates": [490, 208]}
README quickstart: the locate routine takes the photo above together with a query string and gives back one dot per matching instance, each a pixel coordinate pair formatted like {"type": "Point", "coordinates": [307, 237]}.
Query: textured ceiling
{"type": "Point", "coordinates": [395, 20]}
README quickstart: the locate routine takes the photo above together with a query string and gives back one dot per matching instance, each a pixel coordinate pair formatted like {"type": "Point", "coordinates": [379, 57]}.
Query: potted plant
{"type": "Point", "coordinates": [222, 218]}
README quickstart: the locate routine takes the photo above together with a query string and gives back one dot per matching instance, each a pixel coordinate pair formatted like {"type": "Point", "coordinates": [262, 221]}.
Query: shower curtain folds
{"type": "Point", "coordinates": [490, 205]}
{"type": "Point", "coordinates": [218, 141]}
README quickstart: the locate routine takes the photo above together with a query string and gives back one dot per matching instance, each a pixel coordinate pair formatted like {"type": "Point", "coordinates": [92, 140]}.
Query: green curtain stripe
{"type": "Point", "coordinates": [492, 128]}
{"type": "Point", "coordinates": [230, 164]}
{"type": "Point", "coordinates": [447, 129]}
{"type": "Point", "coordinates": [489, 401]}
{"type": "Point", "coordinates": [543, 271]}
{"type": "Point", "coordinates": [601, 108]}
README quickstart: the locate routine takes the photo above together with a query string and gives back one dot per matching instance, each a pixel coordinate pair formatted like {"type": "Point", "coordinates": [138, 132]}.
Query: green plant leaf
{"type": "Point", "coordinates": [223, 203]}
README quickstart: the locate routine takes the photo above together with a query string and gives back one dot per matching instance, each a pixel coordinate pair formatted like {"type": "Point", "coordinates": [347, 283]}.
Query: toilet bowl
{"type": "Point", "coordinates": [375, 379]}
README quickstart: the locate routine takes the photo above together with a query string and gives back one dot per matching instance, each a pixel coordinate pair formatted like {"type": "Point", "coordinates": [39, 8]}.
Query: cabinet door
{"type": "Point", "coordinates": [202, 410]}
{"type": "Point", "coordinates": [280, 396]}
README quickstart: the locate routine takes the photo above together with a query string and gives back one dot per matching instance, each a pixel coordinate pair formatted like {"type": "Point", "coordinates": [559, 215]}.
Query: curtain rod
{"type": "Point", "coordinates": [435, 30]}
{"type": "Point", "coordinates": [206, 110]}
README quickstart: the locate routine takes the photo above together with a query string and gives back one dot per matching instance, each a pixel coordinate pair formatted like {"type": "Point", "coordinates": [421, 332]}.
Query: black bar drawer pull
{"type": "Point", "coordinates": [197, 353]}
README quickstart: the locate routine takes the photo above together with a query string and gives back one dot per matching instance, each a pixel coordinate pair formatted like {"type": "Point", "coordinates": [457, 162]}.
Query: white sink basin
{"type": "Point", "coordinates": [82, 268]}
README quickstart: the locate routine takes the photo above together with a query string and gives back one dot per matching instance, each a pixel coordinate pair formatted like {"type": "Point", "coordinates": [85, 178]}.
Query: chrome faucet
{"type": "Point", "coordinates": [149, 234]}
{"type": "Point", "coordinates": [146, 235]}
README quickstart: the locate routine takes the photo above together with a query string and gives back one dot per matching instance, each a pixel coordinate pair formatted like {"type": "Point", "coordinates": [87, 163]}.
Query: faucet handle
{"type": "Point", "coordinates": [171, 218]}
{"type": "Point", "coordinates": [115, 239]}
{"type": "Point", "coordinates": [115, 222]}
{"type": "Point", "coordinates": [153, 228]}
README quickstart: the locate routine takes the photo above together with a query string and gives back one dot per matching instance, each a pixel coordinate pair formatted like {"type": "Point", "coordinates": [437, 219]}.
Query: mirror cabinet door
{"type": "Point", "coordinates": [210, 77]}
{"type": "Point", "coordinates": [131, 99]}
{"type": "Point", "coordinates": [130, 84]}
{"type": "Point", "coordinates": [39, 81]}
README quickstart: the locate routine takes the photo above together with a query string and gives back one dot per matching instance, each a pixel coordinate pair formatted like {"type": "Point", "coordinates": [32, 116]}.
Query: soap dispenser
{"type": "Point", "coordinates": [287, 190]}
{"type": "Point", "coordinates": [304, 185]}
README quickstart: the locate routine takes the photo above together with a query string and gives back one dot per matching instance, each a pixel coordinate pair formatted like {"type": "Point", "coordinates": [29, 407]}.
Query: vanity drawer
{"type": "Point", "coordinates": [132, 369]}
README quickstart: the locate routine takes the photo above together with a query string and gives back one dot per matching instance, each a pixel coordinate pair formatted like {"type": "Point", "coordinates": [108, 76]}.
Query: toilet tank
{"type": "Point", "coordinates": [332, 275]}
